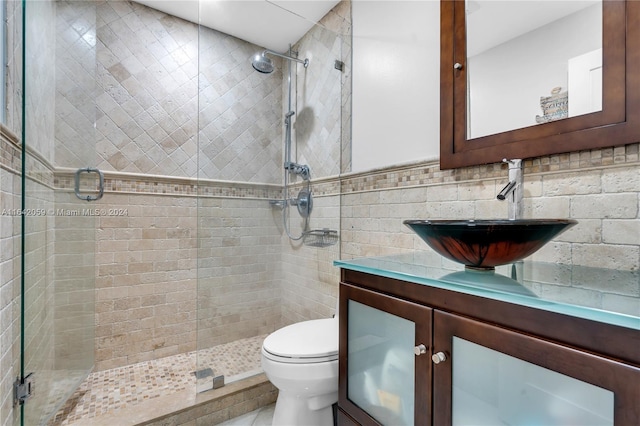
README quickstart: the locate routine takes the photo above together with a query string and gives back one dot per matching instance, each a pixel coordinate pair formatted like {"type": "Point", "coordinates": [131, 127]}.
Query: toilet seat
{"type": "Point", "coordinates": [304, 342]}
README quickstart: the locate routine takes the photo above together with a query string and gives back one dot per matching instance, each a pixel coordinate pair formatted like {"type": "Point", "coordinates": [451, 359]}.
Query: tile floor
{"type": "Point", "coordinates": [122, 387]}
{"type": "Point", "coordinates": [260, 417]}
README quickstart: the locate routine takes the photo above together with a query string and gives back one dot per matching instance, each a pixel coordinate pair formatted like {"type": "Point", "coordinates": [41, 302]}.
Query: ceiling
{"type": "Point", "coordinates": [273, 24]}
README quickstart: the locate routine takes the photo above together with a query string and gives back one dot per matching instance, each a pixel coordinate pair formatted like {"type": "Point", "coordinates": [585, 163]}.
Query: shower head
{"type": "Point", "coordinates": [264, 65]}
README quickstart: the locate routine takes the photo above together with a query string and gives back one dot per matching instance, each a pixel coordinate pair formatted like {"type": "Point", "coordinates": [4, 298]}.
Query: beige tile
{"type": "Point", "coordinates": [108, 395]}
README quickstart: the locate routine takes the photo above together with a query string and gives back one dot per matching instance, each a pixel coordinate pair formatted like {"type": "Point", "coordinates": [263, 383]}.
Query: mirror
{"type": "Point", "coordinates": [557, 81]}
{"type": "Point", "coordinates": [523, 56]}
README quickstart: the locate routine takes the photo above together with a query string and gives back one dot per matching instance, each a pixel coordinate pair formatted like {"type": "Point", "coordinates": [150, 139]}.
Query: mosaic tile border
{"type": "Point", "coordinates": [174, 186]}
{"type": "Point", "coordinates": [429, 173]}
{"type": "Point", "coordinates": [39, 169]}
{"type": "Point", "coordinates": [322, 187]}
{"type": "Point", "coordinates": [10, 150]}
{"type": "Point", "coordinates": [417, 174]}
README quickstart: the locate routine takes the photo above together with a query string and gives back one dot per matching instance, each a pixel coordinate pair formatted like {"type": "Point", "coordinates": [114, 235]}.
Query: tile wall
{"type": "Point", "coordinates": [150, 270]}
{"type": "Point", "coordinates": [145, 278]}
{"type": "Point", "coordinates": [310, 281]}
{"type": "Point", "coordinates": [323, 129]}
{"type": "Point", "coordinates": [39, 241]}
{"type": "Point", "coordinates": [239, 273]}
{"type": "Point", "coordinates": [10, 188]}
{"type": "Point", "coordinates": [600, 189]}
{"type": "Point", "coordinates": [318, 120]}
{"type": "Point", "coordinates": [146, 251]}
{"type": "Point", "coordinates": [240, 130]}
{"type": "Point", "coordinates": [152, 70]}
{"type": "Point", "coordinates": [147, 68]}
{"type": "Point", "coordinates": [9, 271]}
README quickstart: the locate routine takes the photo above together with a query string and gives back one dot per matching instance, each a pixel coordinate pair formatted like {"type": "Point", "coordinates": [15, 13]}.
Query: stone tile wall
{"type": "Point", "coordinates": [176, 272]}
{"type": "Point", "coordinates": [317, 124]}
{"type": "Point", "coordinates": [41, 91]}
{"type": "Point", "coordinates": [310, 281]}
{"type": "Point", "coordinates": [162, 84]}
{"type": "Point", "coordinates": [39, 297]}
{"type": "Point", "coordinates": [74, 273]}
{"type": "Point", "coordinates": [145, 278]}
{"type": "Point", "coordinates": [239, 274]}
{"type": "Point", "coordinates": [147, 93]}
{"type": "Point", "coordinates": [323, 135]}
{"type": "Point", "coordinates": [240, 124]}
{"type": "Point", "coordinates": [13, 75]}
{"type": "Point", "coordinates": [147, 68]}
{"type": "Point", "coordinates": [10, 187]}
{"type": "Point", "coordinates": [76, 87]}
{"type": "Point", "coordinates": [599, 188]}
{"type": "Point", "coordinates": [606, 289]}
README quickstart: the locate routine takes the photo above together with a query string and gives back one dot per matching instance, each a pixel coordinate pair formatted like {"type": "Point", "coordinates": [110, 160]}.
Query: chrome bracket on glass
{"type": "Point", "coordinates": [100, 187]}
{"type": "Point", "coordinates": [22, 389]}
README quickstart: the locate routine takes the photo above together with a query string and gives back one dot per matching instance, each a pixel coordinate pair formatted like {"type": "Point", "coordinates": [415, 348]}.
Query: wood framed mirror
{"type": "Point", "coordinates": [615, 122]}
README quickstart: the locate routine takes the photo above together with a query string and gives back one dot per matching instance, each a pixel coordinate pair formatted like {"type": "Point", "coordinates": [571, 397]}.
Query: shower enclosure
{"type": "Point", "coordinates": [185, 255]}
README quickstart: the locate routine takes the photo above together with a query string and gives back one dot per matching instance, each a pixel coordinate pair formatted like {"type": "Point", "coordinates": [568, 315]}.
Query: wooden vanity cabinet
{"type": "Point", "coordinates": [384, 318]}
{"type": "Point", "coordinates": [525, 356]}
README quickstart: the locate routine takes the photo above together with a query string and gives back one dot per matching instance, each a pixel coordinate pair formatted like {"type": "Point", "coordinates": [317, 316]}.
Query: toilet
{"type": "Point", "coordinates": [301, 360]}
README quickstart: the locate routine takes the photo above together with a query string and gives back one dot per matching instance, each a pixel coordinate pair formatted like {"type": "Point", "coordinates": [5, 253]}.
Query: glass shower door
{"type": "Point", "coordinates": [58, 228]}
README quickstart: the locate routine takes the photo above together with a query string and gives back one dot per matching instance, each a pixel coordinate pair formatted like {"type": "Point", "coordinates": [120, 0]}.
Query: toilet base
{"type": "Point", "coordinates": [294, 411]}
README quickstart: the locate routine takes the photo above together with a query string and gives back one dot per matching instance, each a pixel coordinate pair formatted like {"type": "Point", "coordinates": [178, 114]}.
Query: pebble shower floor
{"type": "Point", "coordinates": [117, 388]}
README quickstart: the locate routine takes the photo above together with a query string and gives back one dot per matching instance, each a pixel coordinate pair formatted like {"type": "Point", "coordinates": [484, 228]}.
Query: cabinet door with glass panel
{"type": "Point", "coordinates": [495, 376]}
{"type": "Point", "coordinates": [385, 364]}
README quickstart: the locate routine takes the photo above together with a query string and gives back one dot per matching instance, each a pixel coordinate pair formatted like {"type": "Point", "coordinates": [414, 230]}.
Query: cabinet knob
{"type": "Point", "coordinates": [457, 66]}
{"type": "Point", "coordinates": [419, 350]}
{"type": "Point", "coordinates": [439, 357]}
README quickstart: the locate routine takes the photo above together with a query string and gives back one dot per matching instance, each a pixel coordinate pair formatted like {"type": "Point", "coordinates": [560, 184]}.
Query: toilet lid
{"type": "Point", "coordinates": [307, 339]}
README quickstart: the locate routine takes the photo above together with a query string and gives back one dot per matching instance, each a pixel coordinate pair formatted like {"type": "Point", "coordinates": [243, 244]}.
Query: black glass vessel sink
{"type": "Point", "coordinates": [485, 244]}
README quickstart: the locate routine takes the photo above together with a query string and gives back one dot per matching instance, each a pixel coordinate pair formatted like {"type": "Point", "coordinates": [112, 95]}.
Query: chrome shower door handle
{"type": "Point", "coordinates": [100, 185]}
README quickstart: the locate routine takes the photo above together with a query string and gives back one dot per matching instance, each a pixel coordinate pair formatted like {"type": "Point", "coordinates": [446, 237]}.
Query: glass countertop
{"type": "Point", "coordinates": [603, 295]}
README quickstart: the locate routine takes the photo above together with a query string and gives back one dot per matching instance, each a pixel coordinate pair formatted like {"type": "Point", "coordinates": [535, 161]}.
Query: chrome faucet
{"type": "Point", "coordinates": [513, 190]}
